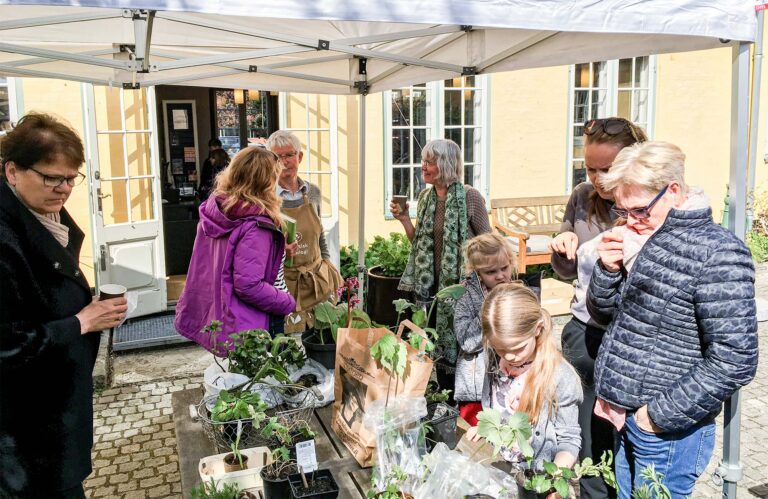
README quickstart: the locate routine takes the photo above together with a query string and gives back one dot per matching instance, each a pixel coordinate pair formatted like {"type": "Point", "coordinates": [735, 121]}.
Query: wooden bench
{"type": "Point", "coordinates": [522, 218]}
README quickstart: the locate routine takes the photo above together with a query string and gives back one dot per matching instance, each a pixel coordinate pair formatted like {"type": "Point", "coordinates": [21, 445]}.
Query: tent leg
{"type": "Point", "coordinates": [361, 270]}
{"type": "Point", "coordinates": [755, 113]}
{"type": "Point", "coordinates": [730, 470]}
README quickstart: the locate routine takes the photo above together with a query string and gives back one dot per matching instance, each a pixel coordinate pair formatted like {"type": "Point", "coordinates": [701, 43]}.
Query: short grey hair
{"type": "Point", "coordinates": [282, 138]}
{"type": "Point", "coordinates": [450, 163]}
{"type": "Point", "coordinates": [650, 166]}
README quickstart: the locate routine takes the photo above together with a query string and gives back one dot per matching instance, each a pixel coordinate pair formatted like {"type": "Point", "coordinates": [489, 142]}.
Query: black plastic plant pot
{"type": "Point", "coordinates": [321, 483]}
{"type": "Point", "coordinates": [276, 489]}
{"type": "Point", "coordinates": [441, 419]}
{"type": "Point", "coordinates": [382, 291]}
{"type": "Point", "coordinates": [322, 353]}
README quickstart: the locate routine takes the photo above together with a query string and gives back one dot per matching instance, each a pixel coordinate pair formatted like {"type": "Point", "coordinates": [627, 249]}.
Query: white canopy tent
{"type": "Point", "coordinates": [362, 46]}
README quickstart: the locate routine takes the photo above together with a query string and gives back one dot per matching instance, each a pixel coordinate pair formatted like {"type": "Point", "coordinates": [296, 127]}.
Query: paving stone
{"type": "Point", "coordinates": [151, 482]}
{"type": "Point", "coordinates": [118, 478]}
{"type": "Point", "coordinates": [143, 473]}
{"type": "Point", "coordinates": [161, 491]}
{"type": "Point", "coordinates": [127, 487]}
{"type": "Point", "coordinates": [105, 491]}
{"type": "Point", "coordinates": [137, 494]}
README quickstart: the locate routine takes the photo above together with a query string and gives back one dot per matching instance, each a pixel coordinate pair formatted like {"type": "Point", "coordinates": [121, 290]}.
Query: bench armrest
{"type": "Point", "coordinates": [519, 234]}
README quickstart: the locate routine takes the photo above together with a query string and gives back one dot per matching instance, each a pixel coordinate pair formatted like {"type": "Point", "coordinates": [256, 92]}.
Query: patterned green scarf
{"type": "Point", "coordinates": [419, 275]}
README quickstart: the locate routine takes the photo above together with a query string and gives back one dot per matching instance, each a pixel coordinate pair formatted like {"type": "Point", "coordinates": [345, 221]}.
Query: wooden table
{"type": "Point", "coordinates": [192, 445]}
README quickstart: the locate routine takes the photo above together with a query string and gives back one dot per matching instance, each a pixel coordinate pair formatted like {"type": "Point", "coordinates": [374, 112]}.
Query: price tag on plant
{"type": "Point", "coordinates": [306, 457]}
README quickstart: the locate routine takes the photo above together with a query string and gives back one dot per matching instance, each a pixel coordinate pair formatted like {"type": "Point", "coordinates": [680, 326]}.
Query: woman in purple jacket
{"type": "Point", "coordinates": [237, 254]}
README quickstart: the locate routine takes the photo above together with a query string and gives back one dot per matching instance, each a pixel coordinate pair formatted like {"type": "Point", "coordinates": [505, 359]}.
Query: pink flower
{"type": "Point", "coordinates": [340, 291]}
{"type": "Point", "coordinates": [352, 283]}
{"type": "Point", "coordinates": [354, 300]}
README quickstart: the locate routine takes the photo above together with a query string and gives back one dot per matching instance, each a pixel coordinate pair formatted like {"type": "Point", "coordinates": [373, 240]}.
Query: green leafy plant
{"type": "Point", "coordinates": [282, 464]}
{"type": "Point", "coordinates": [655, 489]}
{"type": "Point", "coordinates": [393, 484]}
{"type": "Point", "coordinates": [348, 256]}
{"type": "Point", "coordinates": [515, 431]}
{"type": "Point", "coordinates": [758, 245]}
{"type": "Point", "coordinates": [435, 395]}
{"type": "Point", "coordinates": [212, 490]}
{"type": "Point", "coordinates": [392, 354]}
{"type": "Point", "coordinates": [330, 317]}
{"type": "Point", "coordinates": [391, 253]}
{"type": "Point", "coordinates": [238, 404]}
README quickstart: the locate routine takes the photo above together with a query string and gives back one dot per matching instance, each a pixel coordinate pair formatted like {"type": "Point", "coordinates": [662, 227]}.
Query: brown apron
{"type": "Point", "coordinates": [310, 279]}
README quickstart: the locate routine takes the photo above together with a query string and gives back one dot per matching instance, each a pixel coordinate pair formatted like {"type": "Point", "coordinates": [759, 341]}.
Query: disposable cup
{"type": "Point", "coordinates": [107, 291]}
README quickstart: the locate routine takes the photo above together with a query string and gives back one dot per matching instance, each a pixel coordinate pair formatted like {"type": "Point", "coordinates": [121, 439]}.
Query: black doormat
{"type": "Point", "coordinates": [143, 332]}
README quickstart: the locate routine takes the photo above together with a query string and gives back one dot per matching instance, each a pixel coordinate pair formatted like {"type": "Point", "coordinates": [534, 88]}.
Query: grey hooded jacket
{"type": "Point", "coordinates": [683, 330]}
{"type": "Point", "coordinates": [471, 358]}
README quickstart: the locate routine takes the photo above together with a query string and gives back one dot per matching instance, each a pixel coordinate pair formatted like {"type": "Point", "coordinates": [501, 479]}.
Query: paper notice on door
{"type": "Point", "coordinates": [189, 154]}
{"type": "Point", "coordinates": [180, 121]}
{"type": "Point", "coordinates": [306, 457]}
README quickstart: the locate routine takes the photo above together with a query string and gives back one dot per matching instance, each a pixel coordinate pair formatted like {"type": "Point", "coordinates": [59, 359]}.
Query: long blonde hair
{"type": "Point", "coordinates": [513, 311]}
{"type": "Point", "coordinates": [250, 180]}
{"type": "Point", "coordinates": [488, 250]}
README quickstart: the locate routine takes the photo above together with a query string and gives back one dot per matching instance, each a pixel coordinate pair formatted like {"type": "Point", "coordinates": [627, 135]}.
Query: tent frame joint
{"type": "Point", "coordinates": [323, 45]}
{"type": "Point", "coordinates": [362, 87]}
{"type": "Point", "coordinates": [131, 86]}
{"type": "Point", "coordinates": [253, 68]}
{"type": "Point", "coordinates": [467, 28]}
{"type": "Point", "coordinates": [469, 71]}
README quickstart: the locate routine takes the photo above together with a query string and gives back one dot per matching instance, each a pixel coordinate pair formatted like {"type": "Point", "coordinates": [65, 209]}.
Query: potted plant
{"type": "Point", "coordinates": [320, 485]}
{"type": "Point", "coordinates": [275, 475]}
{"type": "Point", "coordinates": [440, 424]}
{"type": "Point", "coordinates": [215, 490]}
{"type": "Point", "coordinates": [389, 257]}
{"type": "Point", "coordinates": [236, 413]}
{"type": "Point", "coordinates": [213, 469]}
{"type": "Point", "coordinates": [392, 485]}
{"type": "Point", "coordinates": [235, 460]}
{"type": "Point", "coordinates": [320, 342]}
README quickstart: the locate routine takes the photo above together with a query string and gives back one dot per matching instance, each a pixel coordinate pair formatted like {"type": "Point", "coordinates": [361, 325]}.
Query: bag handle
{"type": "Point", "coordinates": [414, 329]}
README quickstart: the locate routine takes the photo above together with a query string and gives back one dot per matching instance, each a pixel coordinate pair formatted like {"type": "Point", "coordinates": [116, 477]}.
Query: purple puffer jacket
{"type": "Point", "coordinates": [232, 273]}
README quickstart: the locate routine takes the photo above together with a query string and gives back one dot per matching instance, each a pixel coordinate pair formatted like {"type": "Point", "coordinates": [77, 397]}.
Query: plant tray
{"type": "Point", "coordinates": [247, 479]}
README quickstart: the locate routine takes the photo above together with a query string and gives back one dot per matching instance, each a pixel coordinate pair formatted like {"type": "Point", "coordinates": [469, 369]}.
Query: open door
{"type": "Point", "coordinates": [125, 192]}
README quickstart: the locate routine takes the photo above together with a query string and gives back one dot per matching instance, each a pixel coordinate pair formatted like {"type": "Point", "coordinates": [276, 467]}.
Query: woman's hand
{"type": "Point", "coordinates": [565, 244]}
{"type": "Point", "coordinates": [611, 251]}
{"type": "Point", "coordinates": [102, 314]}
{"type": "Point", "coordinates": [290, 249]}
{"type": "Point", "coordinates": [396, 212]}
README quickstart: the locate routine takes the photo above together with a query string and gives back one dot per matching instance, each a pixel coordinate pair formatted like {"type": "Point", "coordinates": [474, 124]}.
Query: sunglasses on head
{"type": "Point", "coordinates": [611, 126]}
{"type": "Point", "coordinates": [640, 213]}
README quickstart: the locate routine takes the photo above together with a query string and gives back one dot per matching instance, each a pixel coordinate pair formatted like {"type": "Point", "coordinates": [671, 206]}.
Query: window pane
{"type": "Point", "coordinates": [624, 104]}
{"type": "Point", "coordinates": [580, 101]}
{"type": "Point", "coordinates": [579, 173]}
{"type": "Point", "coordinates": [108, 108]}
{"type": "Point", "coordinates": [598, 103]}
{"type": "Point", "coordinates": [401, 147]}
{"type": "Point", "coordinates": [400, 107]}
{"type": "Point", "coordinates": [640, 107]}
{"type": "Point", "coordinates": [469, 81]}
{"type": "Point", "coordinates": [469, 175]}
{"type": "Point", "coordinates": [5, 109]}
{"type": "Point", "coordinates": [472, 145]}
{"type": "Point", "coordinates": [581, 78]}
{"type": "Point", "coordinates": [419, 106]}
{"type": "Point", "coordinates": [401, 185]}
{"type": "Point", "coordinates": [641, 72]}
{"type": "Point", "coordinates": [141, 199]}
{"type": "Point", "coordinates": [578, 146]}
{"type": "Point", "coordinates": [625, 73]}
{"type": "Point", "coordinates": [471, 104]}
{"type": "Point", "coordinates": [111, 158]}
{"type": "Point", "coordinates": [600, 74]}
{"type": "Point", "coordinates": [452, 107]}
{"type": "Point", "coordinates": [138, 154]}
{"type": "Point", "coordinates": [418, 184]}
{"type": "Point", "coordinates": [114, 201]}
{"type": "Point", "coordinates": [419, 141]}
{"type": "Point", "coordinates": [453, 82]}
{"type": "Point", "coordinates": [256, 114]}
{"type": "Point", "coordinates": [454, 134]}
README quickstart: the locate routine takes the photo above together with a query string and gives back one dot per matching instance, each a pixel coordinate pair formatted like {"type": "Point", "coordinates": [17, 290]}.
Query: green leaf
{"type": "Point", "coordinates": [325, 313]}
{"type": "Point", "coordinates": [453, 292]}
{"type": "Point", "coordinates": [524, 446]}
{"type": "Point", "coordinates": [561, 486]}
{"type": "Point", "coordinates": [550, 467]}
{"type": "Point", "coordinates": [400, 359]}
{"type": "Point", "coordinates": [419, 317]}
{"type": "Point", "coordinates": [401, 305]}
{"type": "Point", "coordinates": [567, 473]}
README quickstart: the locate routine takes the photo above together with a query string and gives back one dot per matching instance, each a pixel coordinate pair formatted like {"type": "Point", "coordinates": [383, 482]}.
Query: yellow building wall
{"type": "Point", "coordinates": [63, 99]}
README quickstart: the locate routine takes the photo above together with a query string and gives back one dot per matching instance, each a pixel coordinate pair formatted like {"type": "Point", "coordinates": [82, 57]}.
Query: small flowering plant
{"type": "Point", "coordinates": [330, 317]}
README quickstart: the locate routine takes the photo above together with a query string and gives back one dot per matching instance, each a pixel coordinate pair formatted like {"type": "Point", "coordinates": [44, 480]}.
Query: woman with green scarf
{"type": "Point", "coordinates": [448, 214]}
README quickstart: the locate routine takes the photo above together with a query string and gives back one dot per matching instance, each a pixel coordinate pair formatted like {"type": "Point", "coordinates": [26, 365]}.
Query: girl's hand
{"type": "Point", "coordinates": [553, 495]}
{"type": "Point", "coordinates": [565, 244]}
{"type": "Point", "coordinates": [611, 251]}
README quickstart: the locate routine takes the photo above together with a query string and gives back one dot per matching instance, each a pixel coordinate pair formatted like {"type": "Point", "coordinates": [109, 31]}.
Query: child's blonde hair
{"type": "Point", "coordinates": [487, 251]}
{"type": "Point", "coordinates": [512, 310]}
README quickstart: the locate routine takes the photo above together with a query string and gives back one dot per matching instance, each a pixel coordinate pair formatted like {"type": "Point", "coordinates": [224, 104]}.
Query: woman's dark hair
{"type": "Point", "coordinates": [41, 138]}
{"type": "Point", "coordinates": [627, 136]}
{"type": "Point", "coordinates": [214, 142]}
{"type": "Point", "coordinates": [219, 158]}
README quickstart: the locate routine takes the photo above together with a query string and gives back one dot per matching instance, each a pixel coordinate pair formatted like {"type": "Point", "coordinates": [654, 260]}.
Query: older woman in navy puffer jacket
{"type": "Point", "coordinates": [683, 330]}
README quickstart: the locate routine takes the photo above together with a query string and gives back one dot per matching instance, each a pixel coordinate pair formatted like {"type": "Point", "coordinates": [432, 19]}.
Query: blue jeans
{"type": "Point", "coordinates": [680, 457]}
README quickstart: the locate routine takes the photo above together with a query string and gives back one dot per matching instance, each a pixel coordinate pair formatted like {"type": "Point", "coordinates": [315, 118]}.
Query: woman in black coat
{"type": "Point", "coordinates": [49, 323]}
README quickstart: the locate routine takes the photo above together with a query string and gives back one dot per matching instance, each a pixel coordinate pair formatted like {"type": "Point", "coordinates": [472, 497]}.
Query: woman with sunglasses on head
{"type": "Point", "coordinates": [683, 332]}
{"type": "Point", "coordinates": [587, 215]}
{"type": "Point", "coordinates": [448, 213]}
{"type": "Point", "coordinates": [50, 325]}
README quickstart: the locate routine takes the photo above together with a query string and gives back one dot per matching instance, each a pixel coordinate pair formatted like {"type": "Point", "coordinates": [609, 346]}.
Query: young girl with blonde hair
{"type": "Point", "coordinates": [529, 374]}
{"type": "Point", "coordinates": [237, 254]}
{"type": "Point", "coordinates": [490, 260]}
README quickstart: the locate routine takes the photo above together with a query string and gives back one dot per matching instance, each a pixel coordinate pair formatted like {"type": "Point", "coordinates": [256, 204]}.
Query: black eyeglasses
{"type": "Point", "coordinates": [50, 181]}
{"type": "Point", "coordinates": [611, 126]}
{"type": "Point", "coordinates": [640, 213]}
{"type": "Point", "coordinates": [289, 155]}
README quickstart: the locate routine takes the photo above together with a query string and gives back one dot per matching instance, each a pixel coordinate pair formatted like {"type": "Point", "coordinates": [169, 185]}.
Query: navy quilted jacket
{"type": "Point", "coordinates": [683, 328]}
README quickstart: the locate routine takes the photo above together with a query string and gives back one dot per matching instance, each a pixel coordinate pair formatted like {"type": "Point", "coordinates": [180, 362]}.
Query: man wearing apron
{"type": "Point", "coordinates": [311, 278]}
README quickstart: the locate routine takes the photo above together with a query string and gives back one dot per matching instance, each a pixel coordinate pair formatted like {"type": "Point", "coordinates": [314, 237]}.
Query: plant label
{"type": "Point", "coordinates": [306, 457]}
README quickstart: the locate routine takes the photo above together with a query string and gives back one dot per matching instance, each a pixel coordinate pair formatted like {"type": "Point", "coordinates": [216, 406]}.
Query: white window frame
{"type": "Point", "coordinates": [610, 107]}
{"type": "Point", "coordinates": [436, 129]}
{"type": "Point", "coordinates": [13, 102]}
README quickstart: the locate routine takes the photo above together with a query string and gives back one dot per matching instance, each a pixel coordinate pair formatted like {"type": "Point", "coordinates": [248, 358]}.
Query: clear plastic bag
{"type": "Point", "coordinates": [450, 474]}
{"type": "Point", "coordinates": [400, 442]}
{"type": "Point", "coordinates": [324, 387]}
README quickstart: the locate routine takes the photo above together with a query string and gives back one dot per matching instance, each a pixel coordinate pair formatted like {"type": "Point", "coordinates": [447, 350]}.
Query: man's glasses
{"type": "Point", "coordinates": [288, 155]}
{"type": "Point", "coordinates": [49, 181]}
{"type": "Point", "coordinates": [640, 213]}
{"type": "Point", "coordinates": [611, 126]}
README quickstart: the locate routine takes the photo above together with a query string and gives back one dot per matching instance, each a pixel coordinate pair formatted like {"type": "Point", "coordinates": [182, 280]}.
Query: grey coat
{"type": "Point", "coordinates": [471, 358]}
{"type": "Point", "coordinates": [683, 330]}
{"type": "Point", "coordinates": [561, 431]}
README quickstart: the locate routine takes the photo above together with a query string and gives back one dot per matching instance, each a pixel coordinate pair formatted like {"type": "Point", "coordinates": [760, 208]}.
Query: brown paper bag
{"type": "Point", "coordinates": [361, 380]}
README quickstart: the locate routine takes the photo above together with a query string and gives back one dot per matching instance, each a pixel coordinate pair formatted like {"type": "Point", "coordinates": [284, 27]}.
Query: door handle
{"type": "Point", "coordinates": [99, 197]}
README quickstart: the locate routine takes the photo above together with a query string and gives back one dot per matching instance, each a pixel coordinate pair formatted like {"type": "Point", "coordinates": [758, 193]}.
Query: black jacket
{"type": "Point", "coordinates": [46, 365]}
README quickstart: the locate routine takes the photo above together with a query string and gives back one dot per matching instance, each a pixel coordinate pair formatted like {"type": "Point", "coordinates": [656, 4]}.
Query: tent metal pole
{"type": "Point", "coordinates": [730, 470]}
{"type": "Point", "coordinates": [754, 114]}
{"type": "Point", "coordinates": [229, 57]}
{"type": "Point", "coordinates": [6, 69]}
{"type": "Point", "coordinates": [65, 56]}
{"type": "Point", "coordinates": [51, 20]}
{"type": "Point", "coordinates": [361, 270]}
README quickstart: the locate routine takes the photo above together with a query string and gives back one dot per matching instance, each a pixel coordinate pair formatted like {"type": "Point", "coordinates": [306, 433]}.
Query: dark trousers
{"type": "Point", "coordinates": [276, 325]}
{"type": "Point", "coordinates": [580, 345]}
